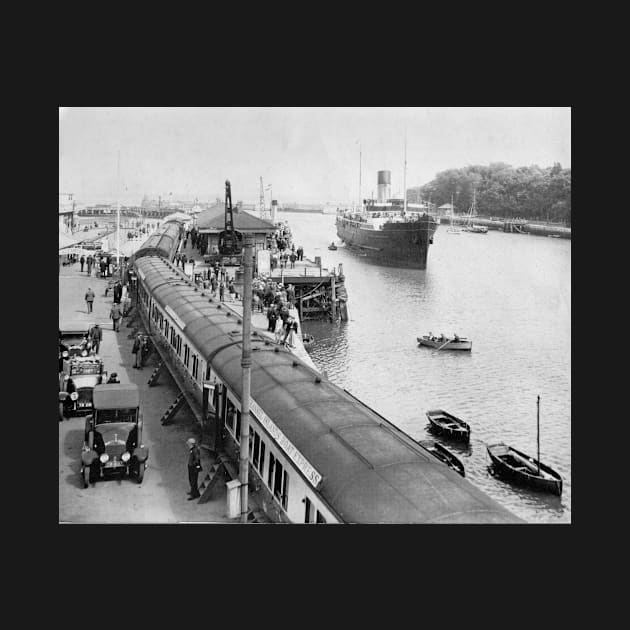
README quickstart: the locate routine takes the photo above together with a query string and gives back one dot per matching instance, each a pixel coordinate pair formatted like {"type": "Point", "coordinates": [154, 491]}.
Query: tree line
{"type": "Point", "coordinates": [527, 192]}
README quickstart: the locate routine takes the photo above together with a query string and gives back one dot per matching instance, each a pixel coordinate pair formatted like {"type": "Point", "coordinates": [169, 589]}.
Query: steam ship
{"type": "Point", "coordinates": [389, 230]}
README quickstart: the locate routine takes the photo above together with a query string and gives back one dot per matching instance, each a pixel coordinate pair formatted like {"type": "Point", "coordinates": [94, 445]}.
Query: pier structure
{"type": "Point", "coordinates": [519, 226]}
{"type": "Point", "coordinates": [319, 293]}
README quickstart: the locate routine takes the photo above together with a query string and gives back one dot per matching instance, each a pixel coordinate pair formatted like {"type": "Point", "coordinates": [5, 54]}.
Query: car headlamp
{"type": "Point", "coordinates": [74, 396]}
{"type": "Point", "coordinates": [125, 457]}
{"type": "Point", "coordinates": [104, 458]}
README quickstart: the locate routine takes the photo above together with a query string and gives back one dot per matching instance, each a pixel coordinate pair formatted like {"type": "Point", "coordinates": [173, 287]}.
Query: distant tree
{"type": "Point", "coordinates": [529, 192]}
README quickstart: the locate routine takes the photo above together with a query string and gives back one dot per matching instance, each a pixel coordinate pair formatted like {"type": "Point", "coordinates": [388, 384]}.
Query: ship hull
{"type": "Point", "coordinates": [398, 244]}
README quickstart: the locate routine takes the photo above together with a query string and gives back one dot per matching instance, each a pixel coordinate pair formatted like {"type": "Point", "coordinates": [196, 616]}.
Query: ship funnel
{"type": "Point", "coordinates": [383, 186]}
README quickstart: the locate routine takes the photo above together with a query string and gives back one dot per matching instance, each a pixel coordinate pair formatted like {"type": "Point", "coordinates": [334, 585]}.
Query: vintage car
{"type": "Point", "coordinates": [113, 435]}
{"type": "Point", "coordinates": [76, 384]}
{"type": "Point", "coordinates": [73, 335]}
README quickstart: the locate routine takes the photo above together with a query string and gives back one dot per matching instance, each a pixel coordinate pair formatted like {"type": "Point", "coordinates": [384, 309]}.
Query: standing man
{"type": "Point", "coordinates": [116, 315]}
{"type": "Point", "coordinates": [117, 292]}
{"type": "Point", "coordinates": [221, 290]}
{"type": "Point", "coordinates": [194, 467]}
{"type": "Point", "coordinates": [96, 336]}
{"type": "Point", "coordinates": [82, 261]}
{"type": "Point", "coordinates": [89, 264]}
{"type": "Point", "coordinates": [89, 299]}
{"type": "Point", "coordinates": [137, 350]}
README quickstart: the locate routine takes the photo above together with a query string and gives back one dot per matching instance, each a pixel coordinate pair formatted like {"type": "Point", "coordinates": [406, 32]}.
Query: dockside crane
{"type": "Point", "coordinates": [230, 241]}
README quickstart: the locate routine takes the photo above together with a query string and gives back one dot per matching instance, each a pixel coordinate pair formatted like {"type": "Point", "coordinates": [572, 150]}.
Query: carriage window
{"type": "Point", "coordinates": [229, 420]}
{"type": "Point", "coordinates": [272, 465]}
{"type": "Point", "coordinates": [261, 464]}
{"type": "Point", "coordinates": [195, 366]}
{"type": "Point", "coordinates": [277, 480]}
{"type": "Point", "coordinates": [166, 328]}
{"type": "Point", "coordinates": [238, 426]}
{"type": "Point", "coordinates": [251, 441]}
{"type": "Point", "coordinates": [307, 510]}
{"type": "Point", "coordinates": [285, 489]}
{"type": "Point", "coordinates": [208, 372]}
{"type": "Point", "coordinates": [186, 354]}
{"type": "Point", "coordinates": [320, 518]}
{"type": "Point", "coordinates": [256, 449]}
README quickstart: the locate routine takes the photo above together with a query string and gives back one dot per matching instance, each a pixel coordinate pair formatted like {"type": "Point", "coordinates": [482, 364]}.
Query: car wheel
{"type": "Point", "coordinates": [141, 468]}
{"type": "Point", "coordinates": [86, 476]}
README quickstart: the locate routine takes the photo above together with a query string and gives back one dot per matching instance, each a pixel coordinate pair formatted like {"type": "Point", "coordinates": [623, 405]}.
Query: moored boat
{"type": "Point", "coordinates": [448, 425]}
{"type": "Point", "coordinates": [443, 342]}
{"type": "Point", "coordinates": [332, 246]}
{"type": "Point", "coordinates": [444, 455]}
{"type": "Point", "coordinates": [523, 469]}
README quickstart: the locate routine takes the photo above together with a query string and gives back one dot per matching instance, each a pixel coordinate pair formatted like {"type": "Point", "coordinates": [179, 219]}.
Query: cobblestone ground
{"type": "Point", "coordinates": [161, 498]}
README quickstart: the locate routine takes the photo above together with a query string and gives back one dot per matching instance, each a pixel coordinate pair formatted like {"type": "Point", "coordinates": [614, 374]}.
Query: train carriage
{"type": "Point", "coordinates": [317, 453]}
{"type": "Point", "coordinates": [163, 242]}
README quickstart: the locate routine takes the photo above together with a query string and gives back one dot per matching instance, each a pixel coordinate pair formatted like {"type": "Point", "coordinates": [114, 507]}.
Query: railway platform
{"type": "Point", "coordinates": [162, 496]}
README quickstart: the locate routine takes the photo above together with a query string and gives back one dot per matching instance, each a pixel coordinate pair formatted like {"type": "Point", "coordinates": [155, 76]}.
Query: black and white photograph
{"type": "Point", "coordinates": [314, 315]}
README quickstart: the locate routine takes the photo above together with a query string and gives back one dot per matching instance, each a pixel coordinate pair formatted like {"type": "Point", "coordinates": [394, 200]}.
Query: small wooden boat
{"type": "Point", "coordinates": [332, 246]}
{"type": "Point", "coordinates": [523, 469]}
{"type": "Point", "coordinates": [444, 455]}
{"type": "Point", "coordinates": [443, 342]}
{"type": "Point", "coordinates": [448, 425]}
{"type": "Point", "coordinates": [307, 339]}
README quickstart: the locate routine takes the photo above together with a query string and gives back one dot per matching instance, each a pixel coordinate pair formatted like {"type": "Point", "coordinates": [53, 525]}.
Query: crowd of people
{"type": "Point", "coordinates": [99, 265]}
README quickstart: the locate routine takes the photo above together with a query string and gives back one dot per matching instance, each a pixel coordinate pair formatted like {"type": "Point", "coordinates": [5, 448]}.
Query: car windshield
{"type": "Point", "coordinates": [105, 416]}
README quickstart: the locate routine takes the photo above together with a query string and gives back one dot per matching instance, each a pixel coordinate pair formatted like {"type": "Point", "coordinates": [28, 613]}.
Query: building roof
{"type": "Point", "coordinates": [213, 219]}
{"type": "Point", "coordinates": [66, 240]}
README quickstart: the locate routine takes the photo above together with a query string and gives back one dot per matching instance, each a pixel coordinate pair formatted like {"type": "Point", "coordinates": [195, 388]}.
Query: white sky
{"type": "Point", "coordinates": [308, 155]}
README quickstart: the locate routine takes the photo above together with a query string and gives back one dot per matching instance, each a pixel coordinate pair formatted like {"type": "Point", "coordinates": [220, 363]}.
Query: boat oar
{"type": "Point", "coordinates": [446, 342]}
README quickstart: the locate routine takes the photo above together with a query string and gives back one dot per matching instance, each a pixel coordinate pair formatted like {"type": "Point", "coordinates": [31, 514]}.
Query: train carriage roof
{"type": "Point", "coordinates": [372, 472]}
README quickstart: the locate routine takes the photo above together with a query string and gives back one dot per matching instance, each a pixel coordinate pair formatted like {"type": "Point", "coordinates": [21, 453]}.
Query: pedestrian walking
{"type": "Point", "coordinates": [116, 315]}
{"type": "Point", "coordinates": [137, 350]}
{"type": "Point", "coordinates": [89, 299]}
{"type": "Point", "coordinates": [89, 265]}
{"type": "Point", "coordinates": [221, 290]}
{"type": "Point", "coordinates": [293, 257]}
{"type": "Point", "coordinates": [82, 261]}
{"type": "Point", "coordinates": [194, 468]}
{"type": "Point", "coordinates": [96, 336]}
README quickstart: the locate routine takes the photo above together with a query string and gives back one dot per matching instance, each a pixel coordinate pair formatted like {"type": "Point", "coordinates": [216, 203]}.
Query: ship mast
{"type": "Point", "coordinates": [405, 178]}
{"type": "Point", "coordinates": [360, 202]}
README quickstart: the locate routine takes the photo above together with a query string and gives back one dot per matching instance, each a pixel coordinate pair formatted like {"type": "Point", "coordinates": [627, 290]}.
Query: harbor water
{"type": "Point", "coordinates": [510, 294]}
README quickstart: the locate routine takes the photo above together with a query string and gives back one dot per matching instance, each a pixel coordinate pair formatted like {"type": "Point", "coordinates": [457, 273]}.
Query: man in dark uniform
{"type": "Point", "coordinates": [117, 293]}
{"type": "Point", "coordinates": [194, 466]}
{"type": "Point", "coordinates": [96, 336]}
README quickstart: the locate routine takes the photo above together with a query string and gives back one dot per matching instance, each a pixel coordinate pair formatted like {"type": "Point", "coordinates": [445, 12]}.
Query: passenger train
{"type": "Point", "coordinates": [318, 454]}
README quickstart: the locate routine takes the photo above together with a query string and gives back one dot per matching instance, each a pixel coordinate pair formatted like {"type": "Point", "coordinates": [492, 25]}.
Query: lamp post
{"type": "Point", "coordinates": [246, 363]}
